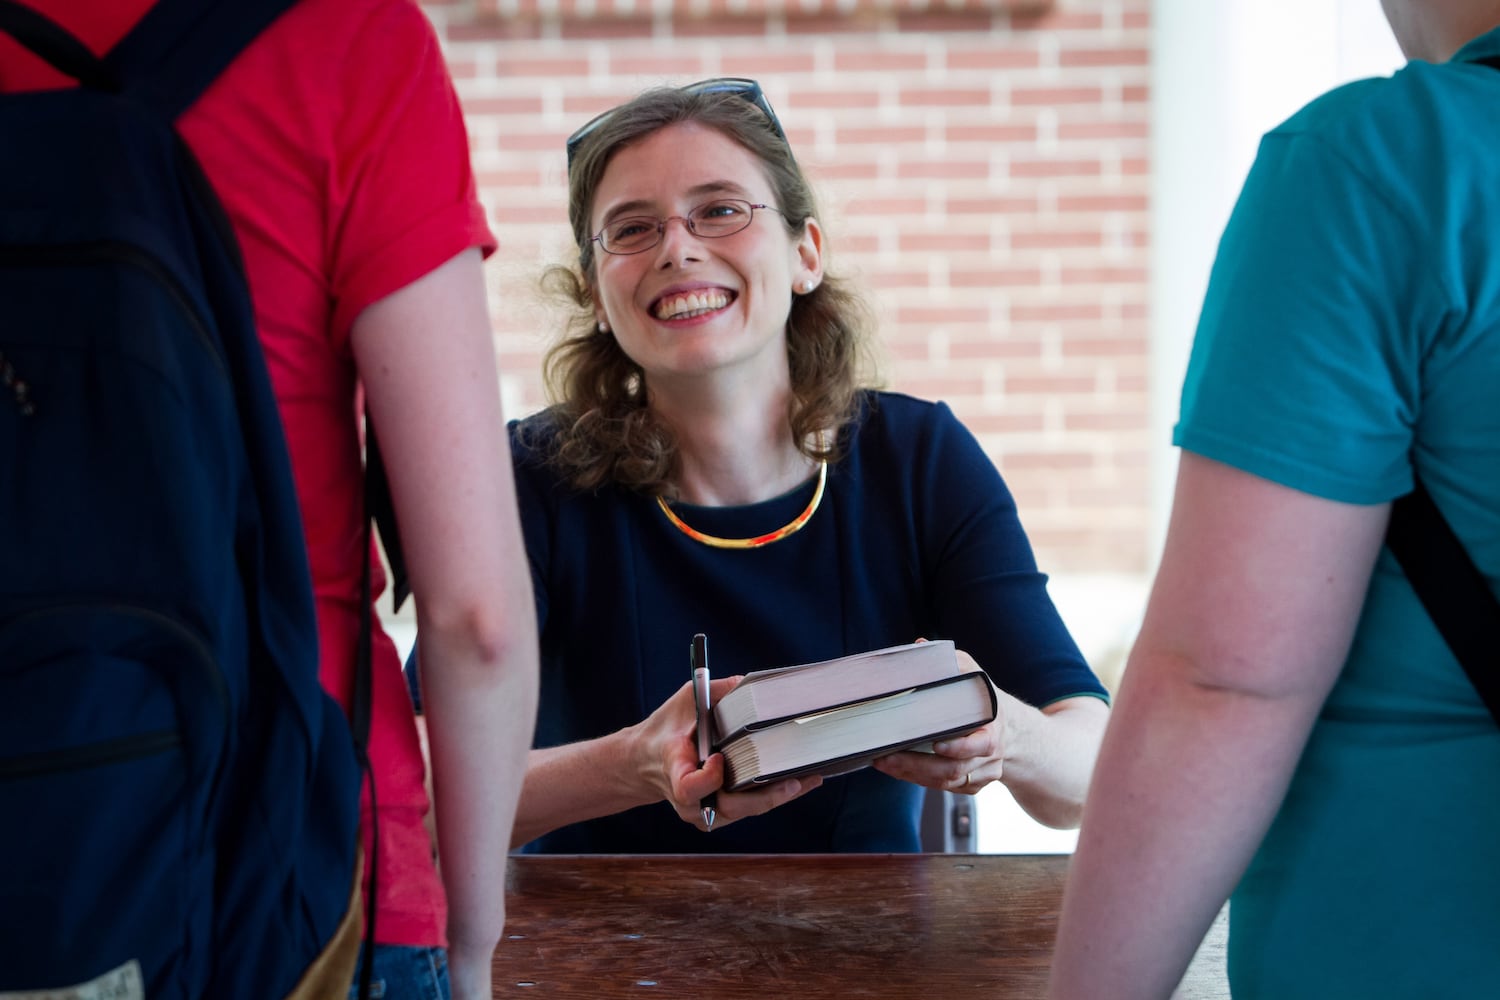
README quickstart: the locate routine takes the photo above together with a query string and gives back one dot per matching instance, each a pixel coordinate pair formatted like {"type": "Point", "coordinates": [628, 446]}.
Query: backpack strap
{"type": "Point", "coordinates": [172, 55]}
{"type": "Point", "coordinates": [180, 47]}
{"type": "Point", "coordinates": [380, 506]}
{"type": "Point", "coordinates": [53, 43]}
{"type": "Point", "coordinates": [1453, 591]}
{"type": "Point", "coordinates": [168, 59]}
{"type": "Point", "coordinates": [1451, 588]}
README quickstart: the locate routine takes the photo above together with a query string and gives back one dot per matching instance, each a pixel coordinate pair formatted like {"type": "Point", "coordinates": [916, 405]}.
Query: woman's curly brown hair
{"type": "Point", "coordinates": [604, 431]}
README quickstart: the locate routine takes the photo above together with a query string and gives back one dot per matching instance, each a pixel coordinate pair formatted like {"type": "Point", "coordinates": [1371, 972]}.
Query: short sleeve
{"type": "Point", "coordinates": [402, 188]}
{"type": "Point", "coordinates": [1305, 367]}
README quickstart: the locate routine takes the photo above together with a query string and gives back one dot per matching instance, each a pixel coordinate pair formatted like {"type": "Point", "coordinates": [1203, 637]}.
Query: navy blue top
{"type": "Point", "coordinates": [917, 536]}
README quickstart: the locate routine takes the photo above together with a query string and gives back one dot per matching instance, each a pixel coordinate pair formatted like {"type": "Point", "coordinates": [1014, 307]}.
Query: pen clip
{"type": "Point", "coordinates": [702, 703]}
{"type": "Point", "coordinates": [698, 653]}
{"type": "Point", "coordinates": [698, 658]}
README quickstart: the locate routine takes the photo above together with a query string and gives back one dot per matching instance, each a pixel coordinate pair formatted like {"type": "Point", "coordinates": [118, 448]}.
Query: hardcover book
{"type": "Point", "coordinates": [838, 715]}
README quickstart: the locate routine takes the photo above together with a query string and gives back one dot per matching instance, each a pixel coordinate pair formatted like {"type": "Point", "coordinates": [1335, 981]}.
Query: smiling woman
{"type": "Point", "coordinates": [714, 461]}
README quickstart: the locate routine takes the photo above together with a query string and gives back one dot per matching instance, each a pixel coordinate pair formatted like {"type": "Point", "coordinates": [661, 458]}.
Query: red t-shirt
{"type": "Point", "coordinates": [338, 147]}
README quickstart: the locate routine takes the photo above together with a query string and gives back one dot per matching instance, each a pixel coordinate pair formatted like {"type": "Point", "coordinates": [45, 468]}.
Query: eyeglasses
{"type": "Point", "coordinates": [739, 86]}
{"type": "Point", "coordinates": [711, 220]}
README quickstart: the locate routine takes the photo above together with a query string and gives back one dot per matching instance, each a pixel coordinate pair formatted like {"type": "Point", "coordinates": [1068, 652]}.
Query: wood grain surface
{"type": "Point", "coordinates": [726, 927]}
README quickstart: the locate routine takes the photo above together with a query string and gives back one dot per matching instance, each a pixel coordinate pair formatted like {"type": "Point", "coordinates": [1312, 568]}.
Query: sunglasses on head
{"type": "Point", "coordinates": [738, 86]}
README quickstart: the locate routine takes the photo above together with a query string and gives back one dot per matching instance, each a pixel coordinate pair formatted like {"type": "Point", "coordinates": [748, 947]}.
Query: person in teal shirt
{"type": "Point", "coordinates": [1292, 727]}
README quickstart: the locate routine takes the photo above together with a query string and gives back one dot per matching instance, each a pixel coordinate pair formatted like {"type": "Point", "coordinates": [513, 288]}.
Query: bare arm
{"type": "Point", "coordinates": [1050, 757]}
{"type": "Point", "coordinates": [428, 365]}
{"type": "Point", "coordinates": [1248, 626]}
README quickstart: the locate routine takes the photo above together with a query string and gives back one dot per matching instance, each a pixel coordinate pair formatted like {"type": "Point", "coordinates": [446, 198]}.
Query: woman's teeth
{"type": "Point", "coordinates": [690, 305]}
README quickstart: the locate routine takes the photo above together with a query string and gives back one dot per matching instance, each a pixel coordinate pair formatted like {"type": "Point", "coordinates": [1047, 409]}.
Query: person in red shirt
{"type": "Point", "coordinates": [338, 148]}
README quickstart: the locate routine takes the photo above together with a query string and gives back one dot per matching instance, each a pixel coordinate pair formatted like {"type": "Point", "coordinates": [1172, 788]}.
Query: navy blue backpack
{"type": "Point", "coordinates": [179, 799]}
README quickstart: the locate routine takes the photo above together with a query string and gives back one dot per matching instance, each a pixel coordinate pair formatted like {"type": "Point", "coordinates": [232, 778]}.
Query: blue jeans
{"type": "Point", "coordinates": [403, 972]}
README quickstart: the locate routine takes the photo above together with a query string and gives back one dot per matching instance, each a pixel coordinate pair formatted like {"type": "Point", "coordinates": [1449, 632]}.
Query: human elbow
{"type": "Point", "coordinates": [478, 635]}
{"type": "Point", "coordinates": [1061, 815]}
{"type": "Point", "coordinates": [1052, 808]}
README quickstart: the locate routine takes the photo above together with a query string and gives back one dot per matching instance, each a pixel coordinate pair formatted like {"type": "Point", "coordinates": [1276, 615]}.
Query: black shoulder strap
{"type": "Point", "coordinates": [1451, 588]}
{"type": "Point", "coordinates": [53, 43]}
{"type": "Point", "coordinates": [167, 60]}
{"type": "Point", "coordinates": [380, 506]}
{"type": "Point", "coordinates": [1456, 596]}
{"type": "Point", "coordinates": [181, 46]}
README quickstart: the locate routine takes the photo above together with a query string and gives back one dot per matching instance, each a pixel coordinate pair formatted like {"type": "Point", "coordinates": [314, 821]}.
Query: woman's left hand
{"type": "Point", "coordinates": [1045, 756]}
{"type": "Point", "coordinates": [963, 764]}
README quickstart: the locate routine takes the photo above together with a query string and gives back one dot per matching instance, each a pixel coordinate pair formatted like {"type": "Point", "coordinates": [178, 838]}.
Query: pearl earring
{"type": "Point", "coordinates": [603, 326]}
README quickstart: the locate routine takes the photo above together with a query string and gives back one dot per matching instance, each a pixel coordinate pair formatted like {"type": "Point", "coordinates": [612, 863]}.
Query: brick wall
{"type": "Point", "coordinates": [983, 169]}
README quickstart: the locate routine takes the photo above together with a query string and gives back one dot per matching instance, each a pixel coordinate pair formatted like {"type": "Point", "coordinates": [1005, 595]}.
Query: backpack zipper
{"type": "Point", "coordinates": [127, 747]}
{"type": "Point", "coordinates": [17, 386]}
{"type": "Point", "coordinates": [115, 751]}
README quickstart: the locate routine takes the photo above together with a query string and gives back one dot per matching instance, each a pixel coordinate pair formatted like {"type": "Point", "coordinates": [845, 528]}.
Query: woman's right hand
{"type": "Point", "coordinates": [666, 758]}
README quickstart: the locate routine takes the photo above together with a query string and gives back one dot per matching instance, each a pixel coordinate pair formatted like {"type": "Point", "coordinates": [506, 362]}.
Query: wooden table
{"type": "Point", "coordinates": [788, 927]}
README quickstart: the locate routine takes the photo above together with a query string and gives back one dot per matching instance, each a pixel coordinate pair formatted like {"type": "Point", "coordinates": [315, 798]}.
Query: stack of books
{"type": "Point", "coordinates": [838, 715]}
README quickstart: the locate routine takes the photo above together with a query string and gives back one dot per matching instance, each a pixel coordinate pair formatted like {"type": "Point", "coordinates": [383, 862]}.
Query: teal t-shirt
{"type": "Point", "coordinates": [1352, 322]}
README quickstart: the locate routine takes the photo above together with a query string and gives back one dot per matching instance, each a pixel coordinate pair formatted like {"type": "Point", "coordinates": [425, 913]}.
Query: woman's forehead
{"type": "Point", "coordinates": [681, 161]}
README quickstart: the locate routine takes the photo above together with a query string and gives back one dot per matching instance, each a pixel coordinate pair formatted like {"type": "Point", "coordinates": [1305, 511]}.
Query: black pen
{"type": "Point", "coordinates": [698, 658]}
